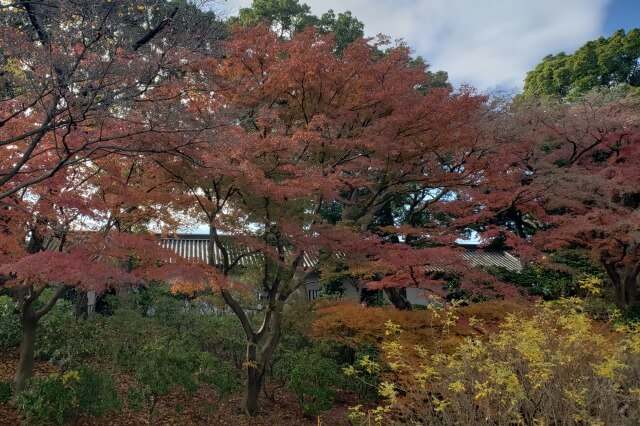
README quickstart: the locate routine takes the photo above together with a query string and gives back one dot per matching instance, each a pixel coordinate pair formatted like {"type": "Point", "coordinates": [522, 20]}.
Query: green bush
{"type": "Point", "coordinates": [5, 392]}
{"type": "Point", "coordinates": [55, 328]}
{"type": "Point", "coordinates": [9, 324]}
{"type": "Point", "coordinates": [46, 400]}
{"type": "Point", "coordinates": [551, 283]}
{"type": "Point", "coordinates": [70, 343]}
{"type": "Point", "coordinates": [548, 283]}
{"type": "Point", "coordinates": [313, 379]}
{"type": "Point", "coordinates": [162, 365]}
{"type": "Point", "coordinates": [367, 383]}
{"type": "Point", "coordinates": [218, 373]}
{"type": "Point", "coordinates": [220, 335]}
{"type": "Point", "coordinates": [59, 398]}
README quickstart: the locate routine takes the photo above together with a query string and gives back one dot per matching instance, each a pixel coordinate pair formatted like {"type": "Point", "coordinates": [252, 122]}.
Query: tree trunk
{"type": "Point", "coordinates": [626, 287]}
{"type": "Point", "coordinates": [253, 384]}
{"type": "Point", "coordinates": [29, 325]}
{"type": "Point", "coordinates": [122, 293]}
{"type": "Point", "coordinates": [257, 361]}
{"type": "Point", "coordinates": [251, 394]}
{"type": "Point", "coordinates": [398, 300]}
{"type": "Point", "coordinates": [80, 304]}
{"type": "Point", "coordinates": [629, 291]}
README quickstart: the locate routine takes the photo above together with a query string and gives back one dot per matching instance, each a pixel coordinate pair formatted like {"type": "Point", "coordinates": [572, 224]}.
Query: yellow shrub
{"type": "Point", "coordinates": [554, 366]}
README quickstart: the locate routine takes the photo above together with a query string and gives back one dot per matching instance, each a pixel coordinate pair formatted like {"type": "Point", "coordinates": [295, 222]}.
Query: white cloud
{"type": "Point", "coordinates": [485, 43]}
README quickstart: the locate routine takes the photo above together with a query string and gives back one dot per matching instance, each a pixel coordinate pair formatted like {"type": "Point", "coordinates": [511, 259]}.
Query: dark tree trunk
{"type": "Point", "coordinates": [257, 359]}
{"type": "Point", "coordinates": [625, 285]}
{"type": "Point", "coordinates": [627, 292]}
{"type": "Point", "coordinates": [123, 293]}
{"type": "Point", "coordinates": [29, 325]}
{"type": "Point", "coordinates": [398, 300]}
{"type": "Point", "coordinates": [631, 298]}
{"type": "Point", "coordinates": [253, 386]}
{"type": "Point", "coordinates": [80, 304]}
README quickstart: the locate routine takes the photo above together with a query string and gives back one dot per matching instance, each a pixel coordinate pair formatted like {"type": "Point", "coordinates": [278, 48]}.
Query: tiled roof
{"type": "Point", "coordinates": [195, 247]}
{"type": "Point", "coordinates": [489, 258]}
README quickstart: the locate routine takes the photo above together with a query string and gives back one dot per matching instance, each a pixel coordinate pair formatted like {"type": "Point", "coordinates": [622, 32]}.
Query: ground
{"type": "Point", "coordinates": [180, 408]}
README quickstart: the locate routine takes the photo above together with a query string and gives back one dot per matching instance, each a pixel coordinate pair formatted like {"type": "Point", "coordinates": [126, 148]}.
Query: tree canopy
{"type": "Point", "coordinates": [604, 62]}
{"type": "Point", "coordinates": [311, 154]}
{"type": "Point", "coordinates": [567, 182]}
{"type": "Point", "coordinates": [290, 16]}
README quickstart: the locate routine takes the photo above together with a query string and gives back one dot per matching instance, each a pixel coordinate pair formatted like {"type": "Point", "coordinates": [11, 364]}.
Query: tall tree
{"type": "Point", "coordinates": [310, 132]}
{"type": "Point", "coordinates": [568, 181]}
{"type": "Point", "coordinates": [288, 17]}
{"type": "Point", "coordinates": [604, 62]}
{"type": "Point", "coordinates": [81, 79]}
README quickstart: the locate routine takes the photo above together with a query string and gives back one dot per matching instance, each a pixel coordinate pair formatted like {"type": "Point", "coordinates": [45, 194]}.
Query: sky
{"type": "Point", "coordinates": [489, 44]}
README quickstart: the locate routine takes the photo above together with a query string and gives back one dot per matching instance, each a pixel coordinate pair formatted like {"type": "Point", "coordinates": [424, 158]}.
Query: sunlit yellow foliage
{"type": "Point", "coordinates": [592, 285]}
{"type": "Point", "coordinates": [553, 365]}
{"type": "Point", "coordinates": [69, 376]}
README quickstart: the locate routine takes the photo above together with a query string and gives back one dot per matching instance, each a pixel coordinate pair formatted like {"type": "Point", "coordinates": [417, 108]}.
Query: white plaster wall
{"type": "Point", "coordinates": [417, 296]}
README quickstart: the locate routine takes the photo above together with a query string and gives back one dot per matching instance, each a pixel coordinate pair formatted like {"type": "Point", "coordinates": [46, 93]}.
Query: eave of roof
{"type": "Point", "coordinates": [196, 247]}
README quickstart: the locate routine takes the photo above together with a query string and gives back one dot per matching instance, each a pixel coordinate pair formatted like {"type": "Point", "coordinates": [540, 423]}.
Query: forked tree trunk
{"type": "Point", "coordinates": [257, 359]}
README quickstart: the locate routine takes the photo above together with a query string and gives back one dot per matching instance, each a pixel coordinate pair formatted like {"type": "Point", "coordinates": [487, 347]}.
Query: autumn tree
{"type": "Point", "coordinates": [316, 148]}
{"type": "Point", "coordinates": [52, 246]}
{"type": "Point", "coordinates": [398, 154]}
{"type": "Point", "coordinates": [83, 79]}
{"type": "Point", "coordinates": [567, 182]}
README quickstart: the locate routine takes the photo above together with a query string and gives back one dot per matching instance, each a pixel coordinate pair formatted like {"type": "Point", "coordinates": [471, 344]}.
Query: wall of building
{"type": "Point", "coordinates": [311, 290]}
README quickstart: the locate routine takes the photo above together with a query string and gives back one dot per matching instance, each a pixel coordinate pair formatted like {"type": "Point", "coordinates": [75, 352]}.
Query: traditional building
{"type": "Point", "coordinates": [196, 247]}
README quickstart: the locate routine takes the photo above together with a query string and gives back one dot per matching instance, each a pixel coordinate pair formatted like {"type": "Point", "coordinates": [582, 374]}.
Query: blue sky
{"type": "Point", "coordinates": [486, 43]}
{"type": "Point", "coordinates": [622, 14]}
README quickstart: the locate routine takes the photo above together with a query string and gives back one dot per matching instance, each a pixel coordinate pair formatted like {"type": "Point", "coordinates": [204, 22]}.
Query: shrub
{"type": "Point", "coordinates": [47, 400]}
{"type": "Point", "coordinates": [354, 326]}
{"type": "Point", "coordinates": [5, 392]}
{"type": "Point", "coordinates": [332, 289]}
{"type": "Point", "coordinates": [55, 328]}
{"type": "Point", "coordinates": [218, 334]}
{"type": "Point", "coordinates": [164, 364]}
{"type": "Point", "coordinates": [561, 280]}
{"type": "Point", "coordinates": [555, 366]}
{"type": "Point", "coordinates": [161, 365]}
{"type": "Point", "coordinates": [218, 373]}
{"type": "Point", "coordinates": [9, 324]}
{"type": "Point", "coordinates": [313, 379]}
{"type": "Point", "coordinates": [59, 398]}
{"type": "Point", "coordinates": [68, 343]}
{"type": "Point", "coordinates": [366, 362]}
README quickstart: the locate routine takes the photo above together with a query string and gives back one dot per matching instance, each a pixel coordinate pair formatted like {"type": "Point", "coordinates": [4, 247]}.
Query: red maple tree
{"type": "Point", "coordinates": [82, 79]}
{"type": "Point", "coordinates": [568, 180]}
{"type": "Point", "coordinates": [316, 150]}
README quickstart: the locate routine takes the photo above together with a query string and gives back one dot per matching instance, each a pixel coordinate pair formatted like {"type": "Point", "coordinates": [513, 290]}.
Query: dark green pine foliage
{"type": "Point", "coordinates": [601, 63]}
